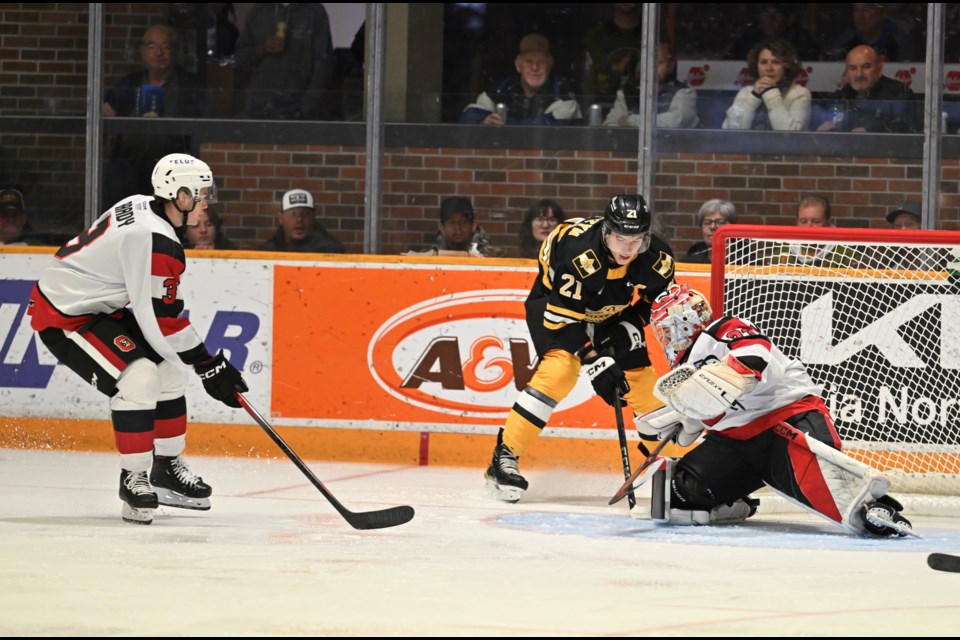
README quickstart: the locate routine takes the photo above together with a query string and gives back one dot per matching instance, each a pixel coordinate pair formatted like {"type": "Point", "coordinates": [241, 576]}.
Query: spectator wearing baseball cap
{"type": "Point", "coordinates": [298, 229]}
{"type": "Point", "coordinates": [458, 233]}
{"type": "Point", "coordinates": [534, 94]}
{"type": "Point", "coordinates": [15, 227]}
{"type": "Point", "coordinates": [13, 217]}
{"type": "Point", "coordinates": [907, 216]}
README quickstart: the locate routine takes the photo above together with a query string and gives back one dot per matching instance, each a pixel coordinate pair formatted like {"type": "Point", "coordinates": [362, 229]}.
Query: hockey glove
{"type": "Point", "coordinates": [607, 378]}
{"type": "Point", "coordinates": [660, 422]}
{"type": "Point", "coordinates": [621, 339]}
{"type": "Point", "coordinates": [221, 379]}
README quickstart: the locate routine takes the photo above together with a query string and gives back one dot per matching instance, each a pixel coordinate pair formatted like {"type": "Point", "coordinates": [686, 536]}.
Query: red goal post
{"type": "Point", "coordinates": [874, 314]}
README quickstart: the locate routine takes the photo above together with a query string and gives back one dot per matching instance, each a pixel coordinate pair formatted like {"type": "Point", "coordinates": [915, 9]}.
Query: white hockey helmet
{"type": "Point", "coordinates": [678, 316]}
{"type": "Point", "coordinates": [179, 171]}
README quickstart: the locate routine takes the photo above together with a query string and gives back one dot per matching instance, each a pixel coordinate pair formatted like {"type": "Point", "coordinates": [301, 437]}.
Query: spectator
{"type": "Point", "coordinates": [207, 233]}
{"type": "Point", "coordinates": [907, 216]}
{"type": "Point", "coordinates": [13, 218]}
{"type": "Point", "coordinates": [15, 227]}
{"type": "Point", "coordinates": [161, 90]}
{"type": "Point", "coordinates": [775, 101]}
{"type": "Point", "coordinates": [288, 50]}
{"type": "Point", "coordinates": [299, 230]}
{"type": "Point", "coordinates": [222, 32]}
{"type": "Point", "coordinates": [920, 258]}
{"type": "Point", "coordinates": [713, 214]}
{"type": "Point", "coordinates": [532, 95]}
{"type": "Point", "coordinates": [870, 101]}
{"type": "Point", "coordinates": [775, 21]}
{"type": "Point", "coordinates": [676, 102]}
{"type": "Point", "coordinates": [873, 27]}
{"type": "Point", "coordinates": [612, 54]}
{"type": "Point", "coordinates": [814, 211]}
{"type": "Point", "coordinates": [540, 220]}
{"type": "Point", "coordinates": [459, 234]}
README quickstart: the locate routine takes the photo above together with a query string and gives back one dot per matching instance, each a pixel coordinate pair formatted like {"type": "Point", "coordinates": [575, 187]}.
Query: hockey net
{"type": "Point", "coordinates": [875, 317]}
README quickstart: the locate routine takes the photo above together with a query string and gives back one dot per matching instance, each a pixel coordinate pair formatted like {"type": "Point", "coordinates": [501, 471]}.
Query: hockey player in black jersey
{"type": "Point", "coordinates": [108, 306]}
{"type": "Point", "coordinates": [598, 277]}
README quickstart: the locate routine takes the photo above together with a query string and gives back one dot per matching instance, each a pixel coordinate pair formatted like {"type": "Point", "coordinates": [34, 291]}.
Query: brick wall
{"type": "Point", "coordinates": [503, 183]}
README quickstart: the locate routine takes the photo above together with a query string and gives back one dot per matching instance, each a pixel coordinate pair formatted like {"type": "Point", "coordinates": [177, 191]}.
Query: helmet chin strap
{"type": "Point", "coordinates": [183, 224]}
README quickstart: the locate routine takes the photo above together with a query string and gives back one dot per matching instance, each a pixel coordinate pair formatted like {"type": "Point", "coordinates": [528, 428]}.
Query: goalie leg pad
{"type": "Point", "coordinates": [835, 485]}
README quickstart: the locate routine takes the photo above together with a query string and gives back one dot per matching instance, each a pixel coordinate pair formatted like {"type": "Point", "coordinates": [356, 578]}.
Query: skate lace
{"type": "Point", "coordinates": [183, 473]}
{"type": "Point", "coordinates": [508, 462]}
{"type": "Point", "coordinates": [137, 483]}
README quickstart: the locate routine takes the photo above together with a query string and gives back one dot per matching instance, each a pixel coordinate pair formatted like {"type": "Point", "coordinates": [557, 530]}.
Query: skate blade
{"type": "Point", "coordinates": [504, 493]}
{"type": "Point", "coordinates": [170, 498]}
{"type": "Point", "coordinates": [134, 515]}
{"type": "Point", "coordinates": [901, 531]}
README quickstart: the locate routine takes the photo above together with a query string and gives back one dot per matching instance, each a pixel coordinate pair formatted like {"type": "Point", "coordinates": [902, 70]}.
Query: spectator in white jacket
{"type": "Point", "coordinates": [676, 102]}
{"type": "Point", "coordinates": [775, 101]}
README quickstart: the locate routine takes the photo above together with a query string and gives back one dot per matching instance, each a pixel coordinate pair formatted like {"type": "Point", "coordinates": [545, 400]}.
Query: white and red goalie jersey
{"type": "Point", "coordinates": [784, 388]}
{"type": "Point", "coordinates": [131, 256]}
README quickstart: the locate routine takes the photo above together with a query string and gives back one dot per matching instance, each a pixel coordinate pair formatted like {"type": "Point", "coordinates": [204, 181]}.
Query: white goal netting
{"type": "Point", "coordinates": [875, 316]}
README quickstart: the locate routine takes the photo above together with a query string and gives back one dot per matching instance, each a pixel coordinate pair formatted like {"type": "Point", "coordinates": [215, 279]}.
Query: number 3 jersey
{"type": "Point", "coordinates": [131, 256]}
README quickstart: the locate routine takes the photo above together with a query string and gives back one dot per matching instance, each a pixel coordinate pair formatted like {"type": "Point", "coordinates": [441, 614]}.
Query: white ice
{"type": "Point", "coordinates": [273, 558]}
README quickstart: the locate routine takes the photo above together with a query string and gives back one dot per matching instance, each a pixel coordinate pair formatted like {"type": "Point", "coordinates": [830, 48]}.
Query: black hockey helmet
{"type": "Point", "coordinates": [627, 215]}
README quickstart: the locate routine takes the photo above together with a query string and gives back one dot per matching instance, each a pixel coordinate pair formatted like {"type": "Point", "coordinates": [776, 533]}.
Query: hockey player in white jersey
{"type": "Point", "coordinates": [765, 424]}
{"type": "Point", "coordinates": [109, 307]}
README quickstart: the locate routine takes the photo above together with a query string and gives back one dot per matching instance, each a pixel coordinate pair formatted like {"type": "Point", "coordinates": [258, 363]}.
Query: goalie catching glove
{"type": "Point", "coordinates": [706, 392]}
{"type": "Point", "coordinates": [607, 378]}
{"type": "Point", "coordinates": [221, 379]}
{"type": "Point", "coordinates": [660, 423]}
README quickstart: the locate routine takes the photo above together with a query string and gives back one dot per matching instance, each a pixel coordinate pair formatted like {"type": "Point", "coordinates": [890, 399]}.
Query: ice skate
{"type": "Point", "coordinates": [139, 499]}
{"type": "Point", "coordinates": [503, 475]}
{"type": "Point", "coordinates": [177, 486]}
{"type": "Point", "coordinates": [882, 519]}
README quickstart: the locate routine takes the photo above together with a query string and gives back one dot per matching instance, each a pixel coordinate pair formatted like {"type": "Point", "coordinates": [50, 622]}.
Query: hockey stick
{"type": "Point", "coordinates": [627, 486]}
{"type": "Point", "coordinates": [624, 452]}
{"type": "Point", "coordinates": [381, 519]}
{"type": "Point", "coordinates": [944, 562]}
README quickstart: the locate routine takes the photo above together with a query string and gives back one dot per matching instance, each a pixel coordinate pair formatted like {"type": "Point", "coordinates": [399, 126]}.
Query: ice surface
{"type": "Point", "coordinates": [273, 558]}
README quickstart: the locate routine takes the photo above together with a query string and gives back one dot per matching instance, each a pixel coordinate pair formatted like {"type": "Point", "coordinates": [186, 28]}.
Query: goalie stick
{"type": "Point", "coordinates": [624, 451]}
{"type": "Point", "coordinates": [381, 519]}
{"type": "Point", "coordinates": [944, 562]}
{"type": "Point", "coordinates": [627, 487]}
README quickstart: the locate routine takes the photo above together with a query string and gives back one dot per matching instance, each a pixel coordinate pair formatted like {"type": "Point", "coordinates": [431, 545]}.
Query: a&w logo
{"type": "Point", "coordinates": [465, 354]}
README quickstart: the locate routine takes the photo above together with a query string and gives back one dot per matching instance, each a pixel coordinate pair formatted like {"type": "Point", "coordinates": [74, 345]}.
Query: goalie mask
{"type": "Point", "coordinates": [678, 316]}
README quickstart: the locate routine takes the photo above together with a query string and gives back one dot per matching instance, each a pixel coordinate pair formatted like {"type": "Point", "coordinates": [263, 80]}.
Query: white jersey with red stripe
{"type": "Point", "coordinates": [131, 256]}
{"type": "Point", "coordinates": [782, 381]}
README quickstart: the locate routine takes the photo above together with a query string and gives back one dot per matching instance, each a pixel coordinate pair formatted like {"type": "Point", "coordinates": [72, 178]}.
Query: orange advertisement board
{"type": "Point", "coordinates": [439, 347]}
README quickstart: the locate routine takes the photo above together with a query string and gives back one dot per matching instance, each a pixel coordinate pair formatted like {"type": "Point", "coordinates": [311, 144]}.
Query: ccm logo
{"type": "Point", "coordinates": [209, 374]}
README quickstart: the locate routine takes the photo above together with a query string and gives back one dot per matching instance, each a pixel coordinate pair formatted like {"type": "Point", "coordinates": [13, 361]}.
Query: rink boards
{"type": "Point", "coordinates": [355, 357]}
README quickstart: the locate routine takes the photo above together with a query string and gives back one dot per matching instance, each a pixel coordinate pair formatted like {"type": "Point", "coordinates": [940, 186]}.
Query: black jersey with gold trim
{"type": "Point", "coordinates": [581, 284]}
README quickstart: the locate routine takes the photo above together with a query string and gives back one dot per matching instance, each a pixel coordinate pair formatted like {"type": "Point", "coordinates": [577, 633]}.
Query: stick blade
{"type": "Point", "coordinates": [944, 562]}
{"type": "Point", "coordinates": [382, 519]}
